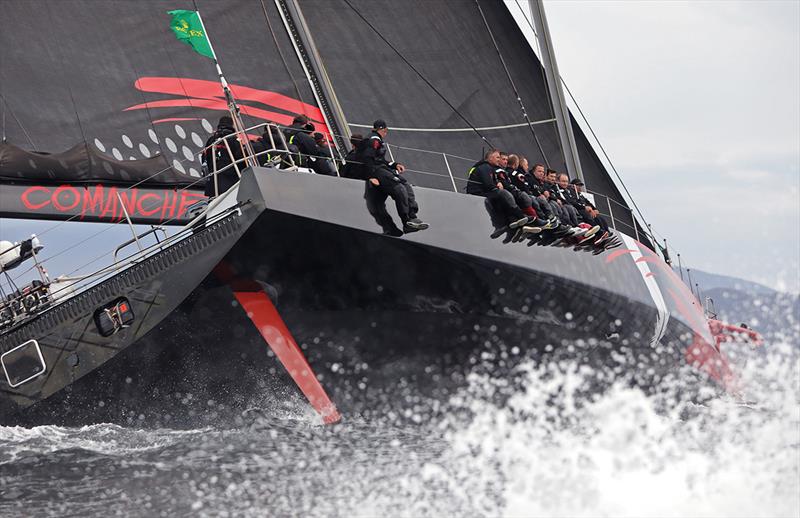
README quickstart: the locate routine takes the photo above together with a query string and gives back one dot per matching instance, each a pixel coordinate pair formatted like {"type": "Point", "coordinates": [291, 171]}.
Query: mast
{"type": "Point", "coordinates": [317, 76]}
{"type": "Point", "coordinates": [557, 100]}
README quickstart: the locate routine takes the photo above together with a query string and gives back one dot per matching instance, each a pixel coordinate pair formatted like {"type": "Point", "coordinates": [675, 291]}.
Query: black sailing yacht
{"type": "Point", "coordinates": [285, 282]}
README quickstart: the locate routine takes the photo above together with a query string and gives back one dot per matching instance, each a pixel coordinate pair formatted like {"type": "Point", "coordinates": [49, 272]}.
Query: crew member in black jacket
{"type": "Point", "coordinates": [483, 181]}
{"type": "Point", "coordinates": [216, 155]}
{"type": "Point", "coordinates": [352, 167]}
{"type": "Point", "coordinates": [309, 154]}
{"type": "Point", "coordinates": [536, 179]}
{"type": "Point", "coordinates": [522, 181]}
{"type": "Point", "coordinates": [585, 208]}
{"type": "Point", "coordinates": [555, 199]}
{"type": "Point", "coordinates": [384, 179]}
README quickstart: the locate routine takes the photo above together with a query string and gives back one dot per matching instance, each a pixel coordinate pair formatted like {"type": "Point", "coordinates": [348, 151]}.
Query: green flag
{"type": "Point", "coordinates": [189, 29]}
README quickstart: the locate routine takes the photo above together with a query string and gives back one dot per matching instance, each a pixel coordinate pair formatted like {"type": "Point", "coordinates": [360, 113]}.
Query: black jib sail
{"type": "Point", "coordinates": [129, 91]}
{"type": "Point", "coordinates": [448, 42]}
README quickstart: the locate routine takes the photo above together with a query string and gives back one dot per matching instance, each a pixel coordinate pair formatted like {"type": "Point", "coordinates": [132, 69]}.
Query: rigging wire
{"type": "Point", "coordinates": [19, 123]}
{"type": "Point", "coordinates": [541, 68]}
{"type": "Point", "coordinates": [174, 69]}
{"type": "Point", "coordinates": [234, 107]}
{"type": "Point", "coordinates": [2, 98]}
{"type": "Point", "coordinates": [625, 187]}
{"type": "Point", "coordinates": [280, 53]}
{"type": "Point", "coordinates": [147, 109]}
{"type": "Point", "coordinates": [646, 228]}
{"type": "Point", "coordinates": [412, 67]}
{"type": "Point", "coordinates": [513, 86]}
{"type": "Point", "coordinates": [69, 88]}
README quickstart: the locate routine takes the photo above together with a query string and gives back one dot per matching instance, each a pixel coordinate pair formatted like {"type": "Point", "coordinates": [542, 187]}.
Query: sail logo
{"type": "Point", "coordinates": [184, 28]}
{"type": "Point", "coordinates": [106, 204]}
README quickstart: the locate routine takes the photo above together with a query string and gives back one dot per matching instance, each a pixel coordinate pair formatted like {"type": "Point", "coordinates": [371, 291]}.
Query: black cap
{"type": "Point", "coordinates": [576, 181]}
{"type": "Point", "coordinates": [225, 121]}
{"type": "Point", "coordinates": [379, 124]}
{"type": "Point", "coordinates": [300, 119]}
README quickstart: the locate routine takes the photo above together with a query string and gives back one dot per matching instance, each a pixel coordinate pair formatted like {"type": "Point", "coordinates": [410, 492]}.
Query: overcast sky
{"type": "Point", "coordinates": [698, 105]}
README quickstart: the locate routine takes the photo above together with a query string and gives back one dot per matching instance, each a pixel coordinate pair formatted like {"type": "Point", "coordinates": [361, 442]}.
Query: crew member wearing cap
{"type": "Point", "coordinates": [216, 155]}
{"type": "Point", "coordinates": [384, 179]}
{"type": "Point", "coordinates": [585, 208]}
{"type": "Point", "coordinates": [309, 154]}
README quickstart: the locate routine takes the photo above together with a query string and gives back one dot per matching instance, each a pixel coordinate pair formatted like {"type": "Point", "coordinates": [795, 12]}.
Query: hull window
{"type": "Point", "coordinates": [23, 363]}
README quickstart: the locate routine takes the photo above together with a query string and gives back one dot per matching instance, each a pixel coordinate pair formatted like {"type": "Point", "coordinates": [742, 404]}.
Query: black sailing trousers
{"type": "Point", "coordinates": [403, 195]}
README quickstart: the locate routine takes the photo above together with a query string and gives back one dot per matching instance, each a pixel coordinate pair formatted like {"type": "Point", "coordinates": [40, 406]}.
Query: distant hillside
{"type": "Point", "coordinates": [773, 313]}
{"type": "Point", "coordinates": [710, 281]}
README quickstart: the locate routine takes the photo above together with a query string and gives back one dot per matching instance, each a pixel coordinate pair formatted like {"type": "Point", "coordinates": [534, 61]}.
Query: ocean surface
{"type": "Point", "coordinates": [551, 449]}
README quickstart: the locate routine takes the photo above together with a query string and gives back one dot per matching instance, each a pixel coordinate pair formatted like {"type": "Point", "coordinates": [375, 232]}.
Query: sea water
{"type": "Point", "coordinates": [550, 449]}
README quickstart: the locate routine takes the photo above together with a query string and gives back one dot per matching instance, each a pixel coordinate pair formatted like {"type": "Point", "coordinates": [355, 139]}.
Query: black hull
{"type": "Point", "coordinates": [74, 349]}
{"type": "Point", "coordinates": [387, 322]}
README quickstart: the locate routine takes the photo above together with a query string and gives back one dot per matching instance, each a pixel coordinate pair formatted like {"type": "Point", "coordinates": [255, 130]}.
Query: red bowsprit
{"type": "Point", "coordinates": [264, 315]}
{"type": "Point", "coordinates": [269, 323]}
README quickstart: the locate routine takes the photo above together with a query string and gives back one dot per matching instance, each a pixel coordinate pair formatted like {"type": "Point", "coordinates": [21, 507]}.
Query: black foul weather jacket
{"type": "Point", "coordinates": [297, 135]}
{"type": "Point", "coordinates": [520, 180]}
{"type": "Point", "coordinates": [372, 151]}
{"type": "Point", "coordinates": [482, 179]}
{"type": "Point", "coordinates": [353, 168]}
{"type": "Point", "coordinates": [577, 200]}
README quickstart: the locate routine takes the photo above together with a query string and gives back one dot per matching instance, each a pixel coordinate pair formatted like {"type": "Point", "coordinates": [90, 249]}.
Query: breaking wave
{"type": "Point", "coordinates": [553, 447]}
{"type": "Point", "coordinates": [550, 450]}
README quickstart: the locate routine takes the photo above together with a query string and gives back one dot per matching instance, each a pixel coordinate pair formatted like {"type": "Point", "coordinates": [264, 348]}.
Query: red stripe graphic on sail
{"type": "Point", "coordinates": [199, 93]}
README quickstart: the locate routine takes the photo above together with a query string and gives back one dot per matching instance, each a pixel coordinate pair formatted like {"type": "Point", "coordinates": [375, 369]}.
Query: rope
{"type": "Point", "coordinates": [541, 68]}
{"type": "Point", "coordinates": [14, 116]}
{"type": "Point", "coordinates": [613, 168]}
{"type": "Point", "coordinates": [149, 113]}
{"type": "Point", "coordinates": [456, 130]}
{"type": "Point", "coordinates": [280, 53]}
{"type": "Point", "coordinates": [594, 135]}
{"type": "Point", "coordinates": [2, 98]}
{"type": "Point", "coordinates": [69, 88]}
{"type": "Point", "coordinates": [513, 86]}
{"type": "Point", "coordinates": [419, 74]}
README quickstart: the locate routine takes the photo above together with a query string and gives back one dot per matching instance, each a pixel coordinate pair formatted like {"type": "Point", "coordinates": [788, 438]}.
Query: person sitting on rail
{"type": "Point", "coordinates": [521, 180]}
{"type": "Point", "coordinates": [537, 179]}
{"type": "Point", "coordinates": [505, 174]}
{"type": "Point", "coordinates": [555, 200]}
{"type": "Point", "coordinates": [352, 164]}
{"type": "Point", "coordinates": [586, 209]}
{"type": "Point", "coordinates": [561, 186]}
{"type": "Point", "coordinates": [483, 181]}
{"type": "Point", "coordinates": [216, 155]}
{"type": "Point", "coordinates": [305, 149]}
{"type": "Point", "coordinates": [385, 179]}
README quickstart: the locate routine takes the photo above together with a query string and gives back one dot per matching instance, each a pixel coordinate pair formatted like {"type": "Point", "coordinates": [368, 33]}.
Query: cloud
{"type": "Point", "coordinates": [751, 175]}
{"type": "Point", "coordinates": [698, 104]}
